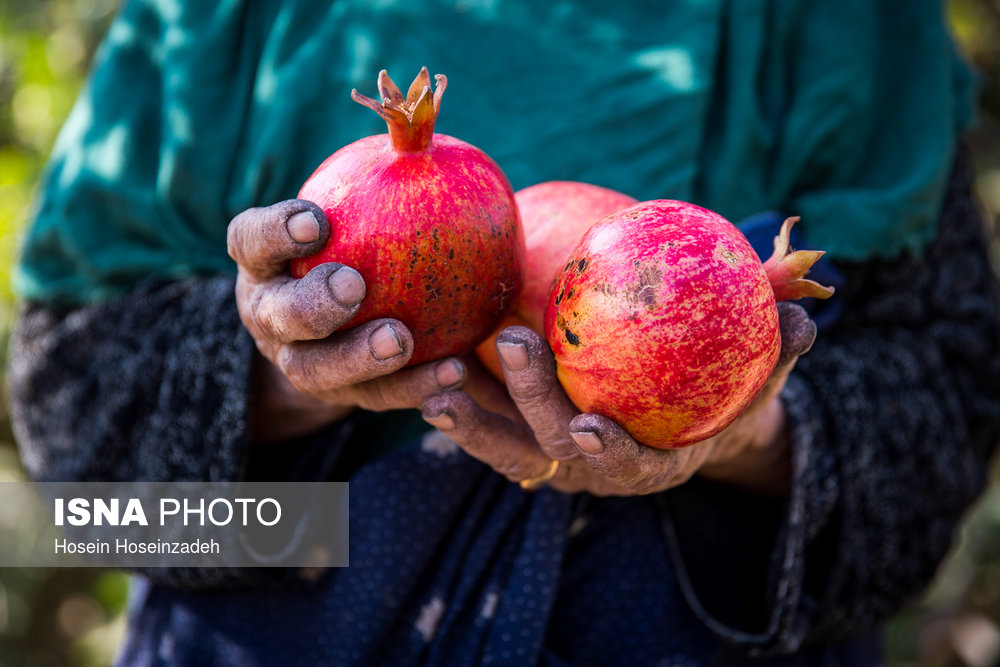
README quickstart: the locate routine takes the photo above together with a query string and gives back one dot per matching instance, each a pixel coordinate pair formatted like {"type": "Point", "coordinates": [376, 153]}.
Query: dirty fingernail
{"type": "Point", "coordinates": [303, 227]}
{"type": "Point", "coordinates": [448, 373]}
{"type": "Point", "coordinates": [514, 355]}
{"type": "Point", "coordinates": [385, 342]}
{"type": "Point", "coordinates": [347, 286]}
{"type": "Point", "coordinates": [442, 422]}
{"type": "Point", "coordinates": [588, 441]}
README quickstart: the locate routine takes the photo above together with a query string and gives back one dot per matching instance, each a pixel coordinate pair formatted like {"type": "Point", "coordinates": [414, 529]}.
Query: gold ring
{"type": "Point", "coordinates": [535, 483]}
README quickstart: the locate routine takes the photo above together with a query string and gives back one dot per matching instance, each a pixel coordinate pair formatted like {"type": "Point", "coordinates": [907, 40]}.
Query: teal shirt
{"type": "Point", "coordinates": [845, 112]}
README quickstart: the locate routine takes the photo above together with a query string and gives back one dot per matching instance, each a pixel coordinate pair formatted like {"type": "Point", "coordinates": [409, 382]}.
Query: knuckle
{"type": "Point", "coordinates": [530, 390]}
{"type": "Point", "coordinates": [373, 396]}
{"type": "Point", "coordinates": [254, 309]}
{"type": "Point", "coordinates": [263, 312]}
{"type": "Point", "coordinates": [657, 472]}
{"type": "Point", "coordinates": [298, 372]}
{"type": "Point", "coordinates": [290, 314]}
{"type": "Point", "coordinates": [299, 318]}
{"type": "Point", "coordinates": [409, 393]}
{"type": "Point", "coordinates": [253, 251]}
{"type": "Point", "coordinates": [558, 446]}
{"type": "Point", "coordinates": [639, 473]}
{"type": "Point", "coordinates": [646, 485]}
{"type": "Point", "coordinates": [243, 234]}
{"type": "Point", "coordinates": [312, 327]}
{"type": "Point", "coordinates": [516, 469]}
{"type": "Point", "coordinates": [436, 403]}
{"type": "Point", "coordinates": [234, 239]}
{"type": "Point", "coordinates": [313, 306]}
{"type": "Point", "coordinates": [276, 325]}
{"type": "Point", "coordinates": [246, 305]}
{"type": "Point", "coordinates": [645, 480]}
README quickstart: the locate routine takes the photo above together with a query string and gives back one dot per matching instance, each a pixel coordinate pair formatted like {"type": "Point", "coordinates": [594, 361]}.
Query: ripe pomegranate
{"type": "Point", "coordinates": [428, 220]}
{"type": "Point", "coordinates": [665, 320]}
{"type": "Point", "coordinates": [554, 215]}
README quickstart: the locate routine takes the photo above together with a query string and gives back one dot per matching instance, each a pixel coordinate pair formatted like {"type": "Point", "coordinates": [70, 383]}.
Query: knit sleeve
{"type": "Point", "coordinates": [152, 386]}
{"type": "Point", "coordinates": [894, 414]}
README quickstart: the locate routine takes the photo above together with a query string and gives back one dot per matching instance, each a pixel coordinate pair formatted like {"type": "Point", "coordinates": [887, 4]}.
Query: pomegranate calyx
{"type": "Point", "coordinates": [785, 269]}
{"type": "Point", "coordinates": [411, 118]}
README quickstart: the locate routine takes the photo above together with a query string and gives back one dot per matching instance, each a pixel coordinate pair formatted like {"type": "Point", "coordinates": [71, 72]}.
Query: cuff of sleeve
{"type": "Point", "coordinates": [740, 559]}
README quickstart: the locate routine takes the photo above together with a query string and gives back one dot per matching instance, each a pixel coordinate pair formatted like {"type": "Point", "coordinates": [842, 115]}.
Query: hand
{"type": "Point", "coordinates": [309, 373]}
{"type": "Point", "coordinates": [595, 454]}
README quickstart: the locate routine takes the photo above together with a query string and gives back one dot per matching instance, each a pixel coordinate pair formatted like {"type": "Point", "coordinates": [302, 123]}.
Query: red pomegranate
{"type": "Point", "coordinates": [554, 215]}
{"type": "Point", "coordinates": [428, 220]}
{"type": "Point", "coordinates": [665, 320]}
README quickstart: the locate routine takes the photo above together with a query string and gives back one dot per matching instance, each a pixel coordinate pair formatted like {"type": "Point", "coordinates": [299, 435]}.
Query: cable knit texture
{"type": "Point", "coordinates": [150, 387]}
{"type": "Point", "coordinates": [902, 405]}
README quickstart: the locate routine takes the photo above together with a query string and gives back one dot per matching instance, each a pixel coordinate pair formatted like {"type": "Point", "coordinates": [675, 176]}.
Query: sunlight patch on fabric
{"type": "Point", "coordinates": [673, 65]}
{"type": "Point", "coordinates": [436, 442]}
{"type": "Point", "coordinates": [430, 616]}
{"type": "Point", "coordinates": [106, 157]}
{"type": "Point", "coordinates": [490, 603]}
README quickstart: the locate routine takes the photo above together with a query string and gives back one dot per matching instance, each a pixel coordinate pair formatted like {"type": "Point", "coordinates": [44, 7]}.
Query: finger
{"type": "Point", "coordinates": [530, 372]}
{"type": "Point", "coordinates": [368, 351]}
{"type": "Point", "coordinates": [409, 387]}
{"type": "Point", "coordinates": [284, 309]}
{"type": "Point", "coordinates": [506, 446]}
{"type": "Point", "coordinates": [798, 332]}
{"type": "Point", "coordinates": [483, 387]}
{"type": "Point", "coordinates": [262, 240]}
{"type": "Point", "coordinates": [612, 453]}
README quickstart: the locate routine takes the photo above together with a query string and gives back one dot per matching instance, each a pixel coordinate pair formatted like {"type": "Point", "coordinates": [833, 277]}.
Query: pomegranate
{"type": "Point", "coordinates": [428, 220]}
{"type": "Point", "coordinates": [555, 215]}
{"type": "Point", "coordinates": [665, 320]}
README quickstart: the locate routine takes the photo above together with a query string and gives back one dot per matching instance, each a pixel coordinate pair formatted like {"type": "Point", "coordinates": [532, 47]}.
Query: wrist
{"type": "Point", "coordinates": [763, 464]}
{"type": "Point", "coordinates": [281, 412]}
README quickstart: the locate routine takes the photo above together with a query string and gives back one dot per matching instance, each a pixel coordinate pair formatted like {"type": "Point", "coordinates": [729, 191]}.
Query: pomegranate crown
{"type": "Point", "coordinates": [786, 270]}
{"type": "Point", "coordinates": [411, 118]}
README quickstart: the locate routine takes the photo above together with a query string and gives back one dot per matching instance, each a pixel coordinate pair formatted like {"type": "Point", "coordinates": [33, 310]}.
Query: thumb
{"type": "Point", "coordinates": [798, 332]}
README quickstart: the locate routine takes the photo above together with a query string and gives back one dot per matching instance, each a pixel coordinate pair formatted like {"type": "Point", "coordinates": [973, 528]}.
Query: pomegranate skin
{"type": "Point", "coordinates": [554, 216]}
{"type": "Point", "coordinates": [429, 221]}
{"type": "Point", "coordinates": [664, 320]}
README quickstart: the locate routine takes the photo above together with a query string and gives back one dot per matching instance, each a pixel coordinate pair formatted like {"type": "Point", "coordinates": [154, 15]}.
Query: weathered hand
{"type": "Point", "coordinates": [595, 453]}
{"type": "Point", "coordinates": [310, 373]}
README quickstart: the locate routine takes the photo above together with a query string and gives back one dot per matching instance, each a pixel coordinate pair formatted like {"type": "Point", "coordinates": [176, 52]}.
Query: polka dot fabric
{"type": "Point", "coordinates": [450, 565]}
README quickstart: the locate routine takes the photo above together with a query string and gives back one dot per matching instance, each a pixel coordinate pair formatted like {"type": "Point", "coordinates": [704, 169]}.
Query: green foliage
{"type": "Point", "coordinates": [45, 48]}
{"type": "Point", "coordinates": [976, 26]}
{"type": "Point", "coordinates": [47, 616]}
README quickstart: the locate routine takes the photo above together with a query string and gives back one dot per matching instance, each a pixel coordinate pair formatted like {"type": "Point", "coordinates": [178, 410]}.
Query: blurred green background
{"type": "Point", "coordinates": [74, 616]}
{"type": "Point", "coordinates": [47, 616]}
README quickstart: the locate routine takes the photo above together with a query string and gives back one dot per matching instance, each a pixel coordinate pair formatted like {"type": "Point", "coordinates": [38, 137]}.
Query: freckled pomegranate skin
{"type": "Point", "coordinates": [664, 320]}
{"type": "Point", "coordinates": [554, 216]}
{"type": "Point", "coordinates": [435, 234]}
